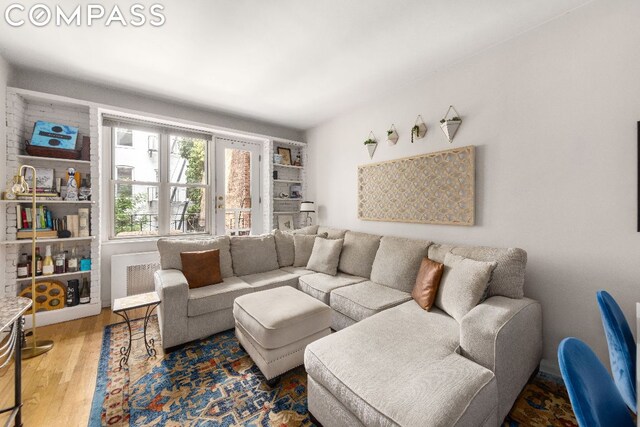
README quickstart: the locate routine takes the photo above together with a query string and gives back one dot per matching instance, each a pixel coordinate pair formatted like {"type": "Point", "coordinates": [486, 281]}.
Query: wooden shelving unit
{"type": "Point", "coordinates": [288, 175]}
{"type": "Point", "coordinates": [24, 107]}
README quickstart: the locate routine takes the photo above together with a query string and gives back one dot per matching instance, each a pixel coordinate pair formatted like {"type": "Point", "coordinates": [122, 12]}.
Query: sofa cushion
{"type": "Point", "coordinates": [271, 279]}
{"type": "Point", "coordinates": [508, 276]}
{"type": "Point", "coordinates": [365, 299]}
{"type": "Point", "coordinates": [320, 285]}
{"type": "Point", "coordinates": [385, 373]}
{"type": "Point", "coordinates": [171, 248]}
{"type": "Point", "coordinates": [303, 244]}
{"type": "Point", "coordinates": [213, 298]}
{"type": "Point", "coordinates": [463, 285]}
{"type": "Point", "coordinates": [253, 254]}
{"type": "Point", "coordinates": [397, 262]}
{"type": "Point", "coordinates": [325, 256]}
{"type": "Point", "coordinates": [332, 233]}
{"type": "Point", "coordinates": [358, 252]}
{"type": "Point", "coordinates": [284, 248]}
{"type": "Point", "coordinates": [298, 271]}
{"type": "Point", "coordinates": [277, 317]}
{"type": "Point", "coordinates": [201, 268]}
{"type": "Point", "coordinates": [310, 229]}
{"type": "Point", "coordinates": [437, 252]}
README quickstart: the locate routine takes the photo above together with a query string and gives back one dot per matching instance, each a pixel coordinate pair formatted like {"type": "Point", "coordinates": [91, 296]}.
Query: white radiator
{"type": "Point", "coordinates": [132, 274]}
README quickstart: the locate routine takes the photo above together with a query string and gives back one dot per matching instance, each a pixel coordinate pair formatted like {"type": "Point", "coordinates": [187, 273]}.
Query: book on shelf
{"type": "Point", "coordinates": [78, 225]}
{"type": "Point", "coordinates": [83, 222]}
{"type": "Point", "coordinates": [41, 233]}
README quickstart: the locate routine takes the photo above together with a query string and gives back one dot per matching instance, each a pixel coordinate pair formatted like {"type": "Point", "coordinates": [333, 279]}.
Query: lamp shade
{"type": "Point", "coordinates": [307, 207]}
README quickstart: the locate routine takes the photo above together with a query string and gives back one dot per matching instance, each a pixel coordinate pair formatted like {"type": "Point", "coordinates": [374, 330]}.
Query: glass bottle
{"type": "Point", "coordinates": [38, 262]}
{"type": "Point", "coordinates": [59, 263]}
{"type": "Point", "coordinates": [47, 264]}
{"type": "Point", "coordinates": [23, 267]}
{"type": "Point", "coordinates": [72, 263]}
{"type": "Point", "coordinates": [85, 292]}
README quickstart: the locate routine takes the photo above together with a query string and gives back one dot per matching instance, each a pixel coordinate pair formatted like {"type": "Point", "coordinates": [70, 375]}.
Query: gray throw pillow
{"type": "Point", "coordinates": [285, 248]}
{"type": "Point", "coordinates": [463, 284]}
{"type": "Point", "coordinates": [303, 245]}
{"type": "Point", "coordinates": [325, 256]}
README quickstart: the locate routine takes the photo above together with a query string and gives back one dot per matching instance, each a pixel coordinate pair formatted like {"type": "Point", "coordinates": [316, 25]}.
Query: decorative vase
{"type": "Point", "coordinates": [372, 149]}
{"type": "Point", "coordinates": [450, 127]}
{"type": "Point", "coordinates": [392, 135]}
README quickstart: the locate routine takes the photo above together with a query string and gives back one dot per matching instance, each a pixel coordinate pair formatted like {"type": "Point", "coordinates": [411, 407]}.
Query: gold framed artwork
{"type": "Point", "coordinates": [433, 188]}
{"type": "Point", "coordinates": [286, 155]}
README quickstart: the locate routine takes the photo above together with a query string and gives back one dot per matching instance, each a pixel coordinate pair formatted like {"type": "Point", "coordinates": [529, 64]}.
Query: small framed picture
{"type": "Point", "coordinates": [285, 222]}
{"type": "Point", "coordinates": [44, 178]}
{"type": "Point", "coordinates": [286, 155]}
{"type": "Point", "coordinates": [295, 191]}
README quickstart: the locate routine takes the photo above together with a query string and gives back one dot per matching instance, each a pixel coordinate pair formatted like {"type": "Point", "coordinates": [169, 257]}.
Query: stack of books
{"type": "Point", "coordinates": [47, 226]}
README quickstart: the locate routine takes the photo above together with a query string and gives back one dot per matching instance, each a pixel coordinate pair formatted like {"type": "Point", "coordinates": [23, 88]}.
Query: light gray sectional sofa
{"type": "Point", "coordinates": [391, 362]}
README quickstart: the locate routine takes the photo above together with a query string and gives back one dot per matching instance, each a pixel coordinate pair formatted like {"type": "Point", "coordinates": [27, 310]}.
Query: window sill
{"type": "Point", "coordinates": [117, 241]}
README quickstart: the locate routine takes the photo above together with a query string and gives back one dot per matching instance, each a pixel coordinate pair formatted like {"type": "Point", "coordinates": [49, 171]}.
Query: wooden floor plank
{"type": "Point", "coordinates": [58, 386]}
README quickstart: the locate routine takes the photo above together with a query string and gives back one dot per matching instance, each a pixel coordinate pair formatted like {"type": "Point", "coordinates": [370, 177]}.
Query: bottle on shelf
{"type": "Point", "coordinates": [59, 263]}
{"type": "Point", "coordinates": [47, 264]}
{"type": "Point", "coordinates": [85, 292]}
{"type": "Point", "coordinates": [38, 262]}
{"type": "Point", "coordinates": [23, 267]}
{"type": "Point", "coordinates": [72, 262]}
{"type": "Point", "coordinates": [73, 292]}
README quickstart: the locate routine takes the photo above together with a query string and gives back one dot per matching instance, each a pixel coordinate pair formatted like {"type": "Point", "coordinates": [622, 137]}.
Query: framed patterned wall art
{"type": "Point", "coordinates": [433, 188]}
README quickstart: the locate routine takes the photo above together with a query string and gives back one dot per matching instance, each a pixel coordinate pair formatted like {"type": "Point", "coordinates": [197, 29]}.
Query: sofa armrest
{"type": "Point", "coordinates": [172, 287]}
{"type": "Point", "coordinates": [505, 336]}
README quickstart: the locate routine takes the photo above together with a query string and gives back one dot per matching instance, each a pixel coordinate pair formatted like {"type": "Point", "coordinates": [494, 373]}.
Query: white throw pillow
{"type": "Point", "coordinates": [303, 245]}
{"type": "Point", "coordinates": [325, 256]}
{"type": "Point", "coordinates": [463, 284]}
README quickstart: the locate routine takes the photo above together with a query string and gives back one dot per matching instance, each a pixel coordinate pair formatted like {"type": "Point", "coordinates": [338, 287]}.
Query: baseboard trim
{"type": "Point", "coordinates": [550, 367]}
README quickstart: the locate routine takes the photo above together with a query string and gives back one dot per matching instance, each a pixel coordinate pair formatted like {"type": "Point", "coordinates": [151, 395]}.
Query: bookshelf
{"type": "Point", "coordinates": [24, 108]}
{"type": "Point", "coordinates": [288, 175]}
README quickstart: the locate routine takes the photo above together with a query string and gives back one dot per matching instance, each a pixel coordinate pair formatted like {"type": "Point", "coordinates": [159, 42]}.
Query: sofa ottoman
{"type": "Point", "coordinates": [275, 326]}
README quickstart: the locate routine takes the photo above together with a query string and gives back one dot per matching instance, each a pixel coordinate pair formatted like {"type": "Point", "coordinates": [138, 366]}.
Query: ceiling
{"type": "Point", "coordinates": [291, 62]}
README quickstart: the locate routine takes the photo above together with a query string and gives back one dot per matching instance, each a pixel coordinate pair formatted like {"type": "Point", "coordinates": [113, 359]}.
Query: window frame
{"type": "Point", "coordinates": [163, 184]}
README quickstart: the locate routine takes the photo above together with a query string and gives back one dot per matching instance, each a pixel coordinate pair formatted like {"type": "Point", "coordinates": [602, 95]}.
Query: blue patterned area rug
{"type": "Point", "coordinates": [213, 382]}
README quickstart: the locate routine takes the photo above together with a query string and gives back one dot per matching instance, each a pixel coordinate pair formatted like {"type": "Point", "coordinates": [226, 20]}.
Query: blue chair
{"type": "Point", "coordinates": [595, 399]}
{"type": "Point", "coordinates": [622, 348]}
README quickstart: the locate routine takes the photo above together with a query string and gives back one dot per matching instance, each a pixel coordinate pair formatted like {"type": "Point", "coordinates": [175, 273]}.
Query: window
{"type": "Point", "coordinates": [168, 194]}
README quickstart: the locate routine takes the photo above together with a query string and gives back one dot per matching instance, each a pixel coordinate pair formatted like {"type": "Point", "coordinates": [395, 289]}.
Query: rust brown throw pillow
{"type": "Point", "coordinates": [427, 282]}
{"type": "Point", "coordinates": [201, 268]}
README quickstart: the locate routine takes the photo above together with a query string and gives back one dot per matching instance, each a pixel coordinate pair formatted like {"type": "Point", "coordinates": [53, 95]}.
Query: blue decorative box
{"type": "Point", "coordinates": [85, 264]}
{"type": "Point", "coordinates": [53, 135]}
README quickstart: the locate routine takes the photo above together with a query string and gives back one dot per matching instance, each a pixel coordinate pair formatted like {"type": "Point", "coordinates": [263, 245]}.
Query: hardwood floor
{"type": "Point", "coordinates": [57, 387]}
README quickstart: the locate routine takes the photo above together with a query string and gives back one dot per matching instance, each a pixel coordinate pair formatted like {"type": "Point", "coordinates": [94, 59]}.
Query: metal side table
{"type": "Point", "coordinates": [121, 306]}
{"type": "Point", "coordinates": [11, 311]}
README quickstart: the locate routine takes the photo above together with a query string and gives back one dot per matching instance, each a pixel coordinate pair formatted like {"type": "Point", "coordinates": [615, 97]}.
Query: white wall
{"type": "Point", "coordinates": [553, 115]}
{"type": "Point", "coordinates": [54, 84]}
{"type": "Point", "coordinates": [5, 75]}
